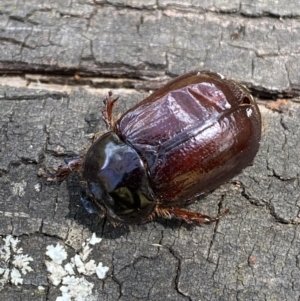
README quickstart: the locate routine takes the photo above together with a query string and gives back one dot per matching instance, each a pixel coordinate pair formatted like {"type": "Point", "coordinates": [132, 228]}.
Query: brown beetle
{"type": "Point", "coordinates": [184, 140]}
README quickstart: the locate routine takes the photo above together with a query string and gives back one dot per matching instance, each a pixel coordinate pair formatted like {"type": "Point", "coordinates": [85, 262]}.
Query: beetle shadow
{"type": "Point", "coordinates": [174, 224]}
{"type": "Point", "coordinates": [93, 221]}
{"type": "Point", "coordinates": [102, 225]}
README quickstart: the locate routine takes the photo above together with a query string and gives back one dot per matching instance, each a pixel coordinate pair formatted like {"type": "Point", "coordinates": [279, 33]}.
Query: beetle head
{"type": "Point", "coordinates": [118, 180]}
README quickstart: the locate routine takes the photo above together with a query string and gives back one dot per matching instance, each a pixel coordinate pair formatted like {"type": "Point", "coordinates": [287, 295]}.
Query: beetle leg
{"type": "Point", "coordinates": [107, 112]}
{"type": "Point", "coordinates": [188, 216]}
{"type": "Point", "coordinates": [70, 165]}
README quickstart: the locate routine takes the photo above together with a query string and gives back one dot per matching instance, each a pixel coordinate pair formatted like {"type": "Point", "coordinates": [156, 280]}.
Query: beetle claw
{"type": "Point", "coordinates": [50, 177]}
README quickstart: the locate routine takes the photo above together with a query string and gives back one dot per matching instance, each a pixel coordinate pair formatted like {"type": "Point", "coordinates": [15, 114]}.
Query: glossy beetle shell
{"type": "Point", "coordinates": [194, 134]}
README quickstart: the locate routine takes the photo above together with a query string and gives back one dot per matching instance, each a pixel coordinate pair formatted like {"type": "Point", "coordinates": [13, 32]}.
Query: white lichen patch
{"type": "Point", "coordinates": [22, 262]}
{"type": "Point", "coordinates": [13, 264]}
{"type": "Point", "coordinates": [57, 272]}
{"type": "Point", "coordinates": [57, 254]}
{"type": "Point", "coordinates": [38, 187]}
{"type": "Point", "coordinates": [77, 288]}
{"type": "Point", "coordinates": [16, 277]}
{"type": "Point", "coordinates": [69, 269]}
{"type": "Point", "coordinates": [41, 288]}
{"type": "Point", "coordinates": [19, 188]}
{"type": "Point", "coordinates": [94, 240]}
{"type": "Point", "coordinates": [101, 271]}
{"type": "Point", "coordinates": [84, 254]}
{"type": "Point", "coordinates": [73, 287]}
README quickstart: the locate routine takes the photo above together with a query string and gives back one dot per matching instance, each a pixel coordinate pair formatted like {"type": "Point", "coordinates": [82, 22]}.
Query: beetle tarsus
{"type": "Point", "coordinates": [70, 165]}
{"type": "Point", "coordinates": [107, 112]}
{"type": "Point", "coordinates": [47, 175]}
{"type": "Point", "coordinates": [189, 217]}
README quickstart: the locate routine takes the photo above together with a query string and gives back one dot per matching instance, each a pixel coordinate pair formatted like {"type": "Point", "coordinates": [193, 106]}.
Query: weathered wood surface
{"type": "Point", "coordinates": [59, 58]}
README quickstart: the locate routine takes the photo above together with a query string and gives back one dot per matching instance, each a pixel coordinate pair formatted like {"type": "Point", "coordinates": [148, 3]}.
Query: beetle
{"type": "Point", "coordinates": [184, 140]}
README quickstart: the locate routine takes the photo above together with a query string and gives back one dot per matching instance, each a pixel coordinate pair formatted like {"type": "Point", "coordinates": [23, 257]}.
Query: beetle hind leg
{"type": "Point", "coordinates": [189, 217]}
{"type": "Point", "coordinates": [107, 112]}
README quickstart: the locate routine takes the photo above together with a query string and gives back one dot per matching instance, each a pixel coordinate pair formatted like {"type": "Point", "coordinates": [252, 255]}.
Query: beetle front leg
{"type": "Point", "coordinates": [189, 217]}
{"type": "Point", "coordinates": [63, 170]}
{"type": "Point", "coordinates": [70, 165]}
{"type": "Point", "coordinates": [107, 112]}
